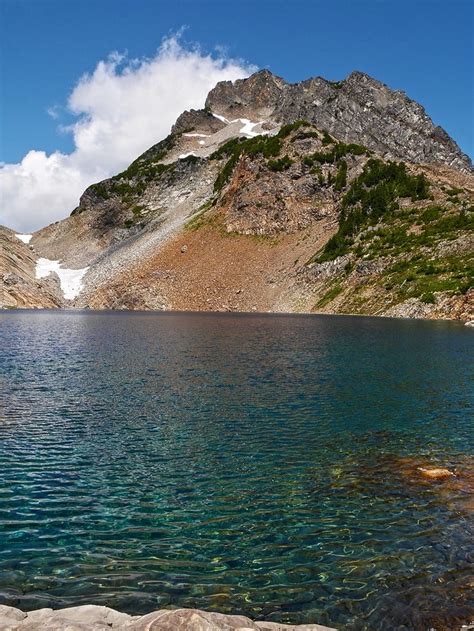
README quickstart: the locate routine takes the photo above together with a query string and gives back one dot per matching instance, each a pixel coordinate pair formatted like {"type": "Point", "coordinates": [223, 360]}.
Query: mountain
{"type": "Point", "coordinates": [317, 196]}
{"type": "Point", "coordinates": [359, 109]}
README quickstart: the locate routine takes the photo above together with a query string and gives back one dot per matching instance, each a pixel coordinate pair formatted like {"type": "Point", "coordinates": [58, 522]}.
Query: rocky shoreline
{"type": "Point", "coordinates": [100, 618]}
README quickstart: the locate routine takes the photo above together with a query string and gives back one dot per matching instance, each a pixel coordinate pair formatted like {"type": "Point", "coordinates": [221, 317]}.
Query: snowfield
{"type": "Point", "coordinates": [26, 238]}
{"type": "Point", "coordinates": [247, 125]}
{"type": "Point", "coordinates": [70, 279]}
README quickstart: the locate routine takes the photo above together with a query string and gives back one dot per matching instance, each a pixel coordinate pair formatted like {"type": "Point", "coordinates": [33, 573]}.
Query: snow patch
{"type": "Point", "coordinates": [70, 279]}
{"type": "Point", "coordinates": [26, 238]}
{"type": "Point", "coordinates": [185, 155]}
{"type": "Point", "coordinates": [221, 118]}
{"type": "Point", "coordinates": [196, 135]}
{"type": "Point", "coordinates": [247, 125]}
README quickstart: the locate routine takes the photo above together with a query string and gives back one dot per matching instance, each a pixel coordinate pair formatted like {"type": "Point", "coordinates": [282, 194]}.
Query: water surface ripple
{"type": "Point", "coordinates": [244, 464]}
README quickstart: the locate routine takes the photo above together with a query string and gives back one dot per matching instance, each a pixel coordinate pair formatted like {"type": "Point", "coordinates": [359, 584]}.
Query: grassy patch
{"type": "Point", "coordinates": [336, 84]}
{"type": "Point", "coordinates": [100, 190]}
{"type": "Point", "coordinates": [200, 219]}
{"type": "Point", "coordinates": [305, 134]}
{"type": "Point", "coordinates": [421, 276]}
{"type": "Point", "coordinates": [329, 295]}
{"type": "Point", "coordinates": [453, 192]}
{"type": "Point", "coordinates": [146, 170]}
{"type": "Point", "coordinates": [327, 138]}
{"type": "Point", "coordinates": [137, 210]}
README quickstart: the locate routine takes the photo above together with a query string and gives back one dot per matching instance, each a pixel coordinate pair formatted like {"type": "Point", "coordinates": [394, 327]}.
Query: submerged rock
{"type": "Point", "coordinates": [99, 618]}
{"type": "Point", "coordinates": [435, 473]}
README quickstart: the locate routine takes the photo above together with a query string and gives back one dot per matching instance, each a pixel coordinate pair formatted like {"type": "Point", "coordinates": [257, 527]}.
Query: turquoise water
{"type": "Point", "coordinates": [244, 464]}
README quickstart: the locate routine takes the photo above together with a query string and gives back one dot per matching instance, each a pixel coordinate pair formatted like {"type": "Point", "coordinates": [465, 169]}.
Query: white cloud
{"type": "Point", "coordinates": [53, 111]}
{"type": "Point", "coordinates": [122, 108]}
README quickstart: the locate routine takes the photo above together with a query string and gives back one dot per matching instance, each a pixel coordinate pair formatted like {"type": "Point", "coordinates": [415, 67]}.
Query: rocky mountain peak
{"type": "Point", "coordinates": [257, 95]}
{"type": "Point", "coordinates": [358, 109]}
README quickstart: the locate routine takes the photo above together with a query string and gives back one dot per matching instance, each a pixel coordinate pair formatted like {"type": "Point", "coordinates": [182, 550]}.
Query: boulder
{"type": "Point", "coordinates": [99, 618]}
{"type": "Point", "coordinates": [435, 473]}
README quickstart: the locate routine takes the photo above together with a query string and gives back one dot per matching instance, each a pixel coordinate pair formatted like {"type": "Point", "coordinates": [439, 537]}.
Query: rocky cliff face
{"type": "Point", "coordinates": [276, 197]}
{"type": "Point", "coordinates": [359, 109]}
{"type": "Point", "coordinates": [20, 287]}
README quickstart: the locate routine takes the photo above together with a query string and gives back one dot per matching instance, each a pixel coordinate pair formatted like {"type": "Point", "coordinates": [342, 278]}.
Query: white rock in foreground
{"type": "Point", "coordinates": [99, 618]}
{"type": "Point", "coordinates": [70, 279]}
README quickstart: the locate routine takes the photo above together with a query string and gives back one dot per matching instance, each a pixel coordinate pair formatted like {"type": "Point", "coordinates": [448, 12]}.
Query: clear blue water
{"type": "Point", "coordinates": [243, 464]}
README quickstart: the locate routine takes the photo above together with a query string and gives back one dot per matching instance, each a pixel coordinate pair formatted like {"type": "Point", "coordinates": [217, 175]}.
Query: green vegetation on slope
{"type": "Point", "coordinates": [286, 130]}
{"type": "Point", "coordinates": [421, 276]}
{"type": "Point", "coordinates": [200, 218]}
{"type": "Point", "coordinates": [333, 155]}
{"type": "Point", "coordinates": [411, 230]}
{"type": "Point", "coordinates": [266, 146]}
{"type": "Point", "coordinates": [131, 183]}
{"type": "Point", "coordinates": [330, 295]}
{"type": "Point", "coordinates": [370, 198]}
{"type": "Point", "coordinates": [280, 165]}
{"type": "Point", "coordinates": [271, 146]}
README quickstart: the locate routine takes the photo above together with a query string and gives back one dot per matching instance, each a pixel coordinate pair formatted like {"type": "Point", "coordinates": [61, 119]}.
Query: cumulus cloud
{"type": "Point", "coordinates": [121, 109]}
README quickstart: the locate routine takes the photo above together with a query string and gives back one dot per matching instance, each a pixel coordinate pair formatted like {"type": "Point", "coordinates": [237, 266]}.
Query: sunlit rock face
{"type": "Point", "coordinates": [98, 618]}
{"type": "Point", "coordinates": [359, 109]}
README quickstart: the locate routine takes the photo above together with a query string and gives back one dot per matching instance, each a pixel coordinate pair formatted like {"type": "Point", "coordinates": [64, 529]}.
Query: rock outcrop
{"type": "Point", "coordinates": [19, 286]}
{"type": "Point", "coordinates": [359, 109]}
{"type": "Point", "coordinates": [98, 618]}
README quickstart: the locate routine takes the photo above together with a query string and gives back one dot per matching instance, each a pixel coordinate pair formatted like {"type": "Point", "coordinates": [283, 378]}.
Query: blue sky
{"type": "Point", "coordinates": [423, 47]}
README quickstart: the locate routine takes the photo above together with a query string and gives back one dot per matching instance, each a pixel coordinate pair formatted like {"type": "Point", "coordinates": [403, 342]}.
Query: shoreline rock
{"type": "Point", "coordinates": [100, 618]}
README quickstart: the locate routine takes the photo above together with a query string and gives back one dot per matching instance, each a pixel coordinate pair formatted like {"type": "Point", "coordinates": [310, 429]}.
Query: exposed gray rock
{"type": "Point", "coordinates": [328, 269]}
{"type": "Point", "coordinates": [19, 286]}
{"type": "Point", "coordinates": [197, 121]}
{"type": "Point", "coordinates": [369, 267]}
{"type": "Point", "coordinates": [411, 308]}
{"type": "Point", "coordinates": [359, 109]}
{"type": "Point", "coordinates": [258, 94]}
{"type": "Point", "coordinates": [99, 618]}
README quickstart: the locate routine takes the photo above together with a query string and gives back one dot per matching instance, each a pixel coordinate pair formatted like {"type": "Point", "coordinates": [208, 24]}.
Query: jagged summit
{"type": "Point", "coordinates": [258, 93]}
{"type": "Point", "coordinates": [358, 109]}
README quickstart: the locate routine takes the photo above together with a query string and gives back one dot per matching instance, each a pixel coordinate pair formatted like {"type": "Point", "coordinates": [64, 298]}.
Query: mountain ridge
{"type": "Point", "coordinates": [237, 207]}
{"type": "Point", "coordinates": [325, 103]}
